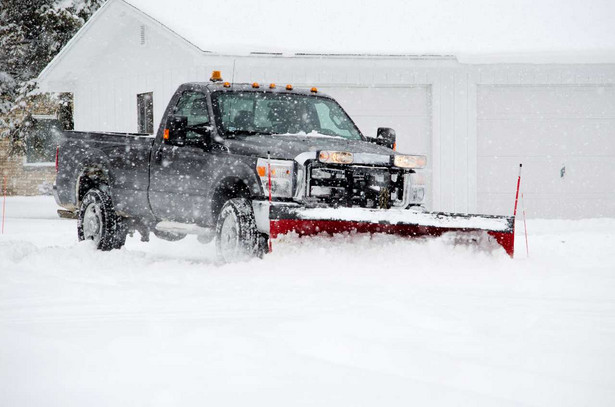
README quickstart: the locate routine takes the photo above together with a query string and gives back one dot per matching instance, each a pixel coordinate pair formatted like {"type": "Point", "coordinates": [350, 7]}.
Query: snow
{"type": "Point", "coordinates": [476, 31]}
{"type": "Point", "coordinates": [404, 217]}
{"type": "Point", "coordinates": [349, 321]}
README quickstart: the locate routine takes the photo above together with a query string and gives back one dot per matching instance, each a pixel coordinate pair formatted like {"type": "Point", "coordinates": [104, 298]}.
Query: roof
{"type": "Point", "coordinates": [255, 87]}
{"type": "Point", "coordinates": [477, 31]}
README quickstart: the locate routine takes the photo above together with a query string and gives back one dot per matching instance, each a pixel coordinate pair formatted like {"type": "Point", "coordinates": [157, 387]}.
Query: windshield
{"type": "Point", "coordinates": [248, 113]}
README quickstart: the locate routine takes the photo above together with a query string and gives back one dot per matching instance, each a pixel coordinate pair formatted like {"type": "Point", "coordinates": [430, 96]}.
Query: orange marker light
{"type": "Point", "coordinates": [289, 87]}
{"type": "Point", "coordinates": [261, 171]}
{"type": "Point", "coordinates": [227, 85]}
{"type": "Point", "coordinates": [216, 76]}
{"type": "Point", "coordinates": [166, 134]}
{"type": "Point", "coordinates": [272, 86]}
{"type": "Point", "coordinates": [314, 90]}
{"type": "Point", "coordinates": [256, 85]}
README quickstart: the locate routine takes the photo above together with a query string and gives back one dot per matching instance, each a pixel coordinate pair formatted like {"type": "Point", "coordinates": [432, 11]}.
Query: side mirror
{"type": "Point", "coordinates": [385, 137]}
{"type": "Point", "coordinates": [175, 130]}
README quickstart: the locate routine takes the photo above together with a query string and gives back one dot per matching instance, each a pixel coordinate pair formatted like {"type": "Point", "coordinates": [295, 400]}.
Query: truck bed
{"type": "Point", "coordinates": [124, 158]}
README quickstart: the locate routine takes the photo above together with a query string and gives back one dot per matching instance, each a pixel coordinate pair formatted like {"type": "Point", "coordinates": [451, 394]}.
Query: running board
{"type": "Point", "coordinates": [66, 214]}
{"type": "Point", "coordinates": [183, 228]}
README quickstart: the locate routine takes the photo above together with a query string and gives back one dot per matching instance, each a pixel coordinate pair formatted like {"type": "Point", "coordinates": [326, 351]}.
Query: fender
{"type": "Point", "coordinates": [77, 166]}
{"type": "Point", "coordinates": [234, 172]}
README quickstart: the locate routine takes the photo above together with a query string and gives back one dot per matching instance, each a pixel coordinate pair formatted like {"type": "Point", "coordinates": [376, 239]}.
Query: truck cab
{"type": "Point", "coordinates": [220, 135]}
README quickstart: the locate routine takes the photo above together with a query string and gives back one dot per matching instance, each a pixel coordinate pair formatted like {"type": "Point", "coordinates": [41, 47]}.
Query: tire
{"type": "Point", "coordinates": [169, 236]}
{"type": "Point", "coordinates": [237, 238]}
{"type": "Point", "coordinates": [98, 221]}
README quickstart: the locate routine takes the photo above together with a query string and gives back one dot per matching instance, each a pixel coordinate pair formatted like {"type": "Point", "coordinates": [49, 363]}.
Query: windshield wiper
{"type": "Point", "coordinates": [247, 133]}
{"type": "Point", "coordinates": [197, 125]}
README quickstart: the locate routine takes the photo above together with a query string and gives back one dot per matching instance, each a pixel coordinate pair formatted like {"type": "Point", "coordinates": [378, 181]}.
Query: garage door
{"type": "Point", "coordinates": [407, 110]}
{"type": "Point", "coordinates": [565, 138]}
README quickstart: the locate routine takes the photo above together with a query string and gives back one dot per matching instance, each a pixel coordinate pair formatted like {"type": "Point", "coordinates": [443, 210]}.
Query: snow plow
{"type": "Point", "coordinates": [486, 231]}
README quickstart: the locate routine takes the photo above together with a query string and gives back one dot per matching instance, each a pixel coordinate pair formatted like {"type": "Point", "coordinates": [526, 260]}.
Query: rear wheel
{"type": "Point", "coordinates": [237, 238]}
{"type": "Point", "coordinates": [98, 221]}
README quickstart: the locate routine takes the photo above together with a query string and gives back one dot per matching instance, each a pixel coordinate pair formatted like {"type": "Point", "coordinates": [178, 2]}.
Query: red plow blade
{"type": "Point", "coordinates": [311, 221]}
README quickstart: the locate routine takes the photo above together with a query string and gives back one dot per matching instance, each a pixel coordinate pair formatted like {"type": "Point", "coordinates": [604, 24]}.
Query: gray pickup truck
{"type": "Point", "coordinates": [224, 157]}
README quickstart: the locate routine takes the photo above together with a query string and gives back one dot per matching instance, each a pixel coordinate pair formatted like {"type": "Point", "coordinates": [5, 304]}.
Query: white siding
{"type": "Point", "coordinates": [565, 137]}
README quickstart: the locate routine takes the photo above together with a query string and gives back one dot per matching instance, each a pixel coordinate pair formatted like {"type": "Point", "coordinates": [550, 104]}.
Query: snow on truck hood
{"type": "Point", "coordinates": [288, 146]}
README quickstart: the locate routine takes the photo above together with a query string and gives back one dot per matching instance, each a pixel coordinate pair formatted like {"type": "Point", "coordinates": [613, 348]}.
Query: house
{"type": "Point", "coordinates": [477, 103]}
{"type": "Point", "coordinates": [32, 172]}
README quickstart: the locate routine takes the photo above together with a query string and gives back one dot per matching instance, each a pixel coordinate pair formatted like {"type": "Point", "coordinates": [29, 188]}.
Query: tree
{"type": "Point", "coordinates": [31, 34]}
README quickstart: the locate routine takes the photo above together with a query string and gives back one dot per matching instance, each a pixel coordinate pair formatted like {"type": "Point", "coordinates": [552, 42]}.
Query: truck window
{"type": "Point", "coordinates": [289, 114]}
{"type": "Point", "coordinates": [193, 105]}
{"type": "Point", "coordinates": [333, 122]}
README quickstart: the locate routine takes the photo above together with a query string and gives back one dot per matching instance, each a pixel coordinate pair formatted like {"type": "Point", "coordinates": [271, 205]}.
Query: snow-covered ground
{"type": "Point", "coordinates": [350, 321]}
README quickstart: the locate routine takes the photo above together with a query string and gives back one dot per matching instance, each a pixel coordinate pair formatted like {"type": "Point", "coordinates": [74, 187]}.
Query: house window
{"type": "Point", "coordinates": [145, 113]}
{"type": "Point", "coordinates": [42, 140]}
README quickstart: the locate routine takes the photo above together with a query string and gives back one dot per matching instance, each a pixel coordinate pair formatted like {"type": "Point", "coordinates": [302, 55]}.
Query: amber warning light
{"type": "Point", "coordinates": [216, 76]}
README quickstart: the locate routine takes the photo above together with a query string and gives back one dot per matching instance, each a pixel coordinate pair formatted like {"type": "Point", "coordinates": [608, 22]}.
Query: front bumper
{"type": "Point", "coordinates": [277, 219]}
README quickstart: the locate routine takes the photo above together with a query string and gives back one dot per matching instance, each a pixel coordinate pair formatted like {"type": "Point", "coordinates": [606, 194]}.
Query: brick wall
{"type": "Point", "coordinates": [23, 179]}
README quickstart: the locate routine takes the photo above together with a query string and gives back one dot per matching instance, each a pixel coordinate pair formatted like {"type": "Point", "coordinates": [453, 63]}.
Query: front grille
{"type": "Point", "coordinates": [355, 186]}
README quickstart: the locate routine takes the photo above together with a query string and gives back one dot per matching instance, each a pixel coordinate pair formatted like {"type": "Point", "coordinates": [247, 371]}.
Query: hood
{"type": "Point", "coordinates": [287, 147]}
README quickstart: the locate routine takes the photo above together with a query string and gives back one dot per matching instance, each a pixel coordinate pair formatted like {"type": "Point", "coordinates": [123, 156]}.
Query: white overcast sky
{"type": "Point", "coordinates": [464, 28]}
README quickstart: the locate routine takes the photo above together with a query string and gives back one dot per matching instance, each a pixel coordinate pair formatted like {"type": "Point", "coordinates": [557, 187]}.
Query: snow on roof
{"type": "Point", "coordinates": [473, 30]}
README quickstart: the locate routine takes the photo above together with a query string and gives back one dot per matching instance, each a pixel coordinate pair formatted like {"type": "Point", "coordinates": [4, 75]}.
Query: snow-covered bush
{"type": "Point", "coordinates": [31, 34]}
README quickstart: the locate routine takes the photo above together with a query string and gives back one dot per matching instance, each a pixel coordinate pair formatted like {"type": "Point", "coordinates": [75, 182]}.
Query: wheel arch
{"type": "Point", "coordinates": [228, 188]}
{"type": "Point", "coordinates": [92, 176]}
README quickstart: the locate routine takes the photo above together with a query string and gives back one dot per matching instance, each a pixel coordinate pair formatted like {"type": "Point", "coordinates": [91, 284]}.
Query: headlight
{"type": "Point", "coordinates": [335, 157]}
{"type": "Point", "coordinates": [281, 177]}
{"type": "Point", "coordinates": [410, 161]}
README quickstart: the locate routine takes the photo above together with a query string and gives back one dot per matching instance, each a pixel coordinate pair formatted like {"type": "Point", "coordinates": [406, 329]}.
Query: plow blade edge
{"type": "Point", "coordinates": [311, 221]}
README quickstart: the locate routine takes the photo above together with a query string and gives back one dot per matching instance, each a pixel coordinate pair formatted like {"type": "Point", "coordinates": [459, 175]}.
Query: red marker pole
{"type": "Point", "coordinates": [3, 203]}
{"type": "Point", "coordinates": [517, 196]}
{"type": "Point", "coordinates": [269, 182]}
{"type": "Point", "coordinates": [516, 202]}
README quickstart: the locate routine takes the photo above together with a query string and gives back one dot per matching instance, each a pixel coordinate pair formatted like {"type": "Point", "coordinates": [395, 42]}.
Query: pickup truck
{"type": "Point", "coordinates": [223, 156]}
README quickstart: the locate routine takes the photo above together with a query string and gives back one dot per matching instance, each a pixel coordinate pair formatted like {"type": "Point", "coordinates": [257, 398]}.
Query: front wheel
{"type": "Point", "coordinates": [237, 238]}
{"type": "Point", "coordinates": [98, 221]}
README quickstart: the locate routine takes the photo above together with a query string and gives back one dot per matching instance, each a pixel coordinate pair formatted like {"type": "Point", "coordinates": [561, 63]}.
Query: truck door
{"type": "Point", "coordinates": [179, 175]}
